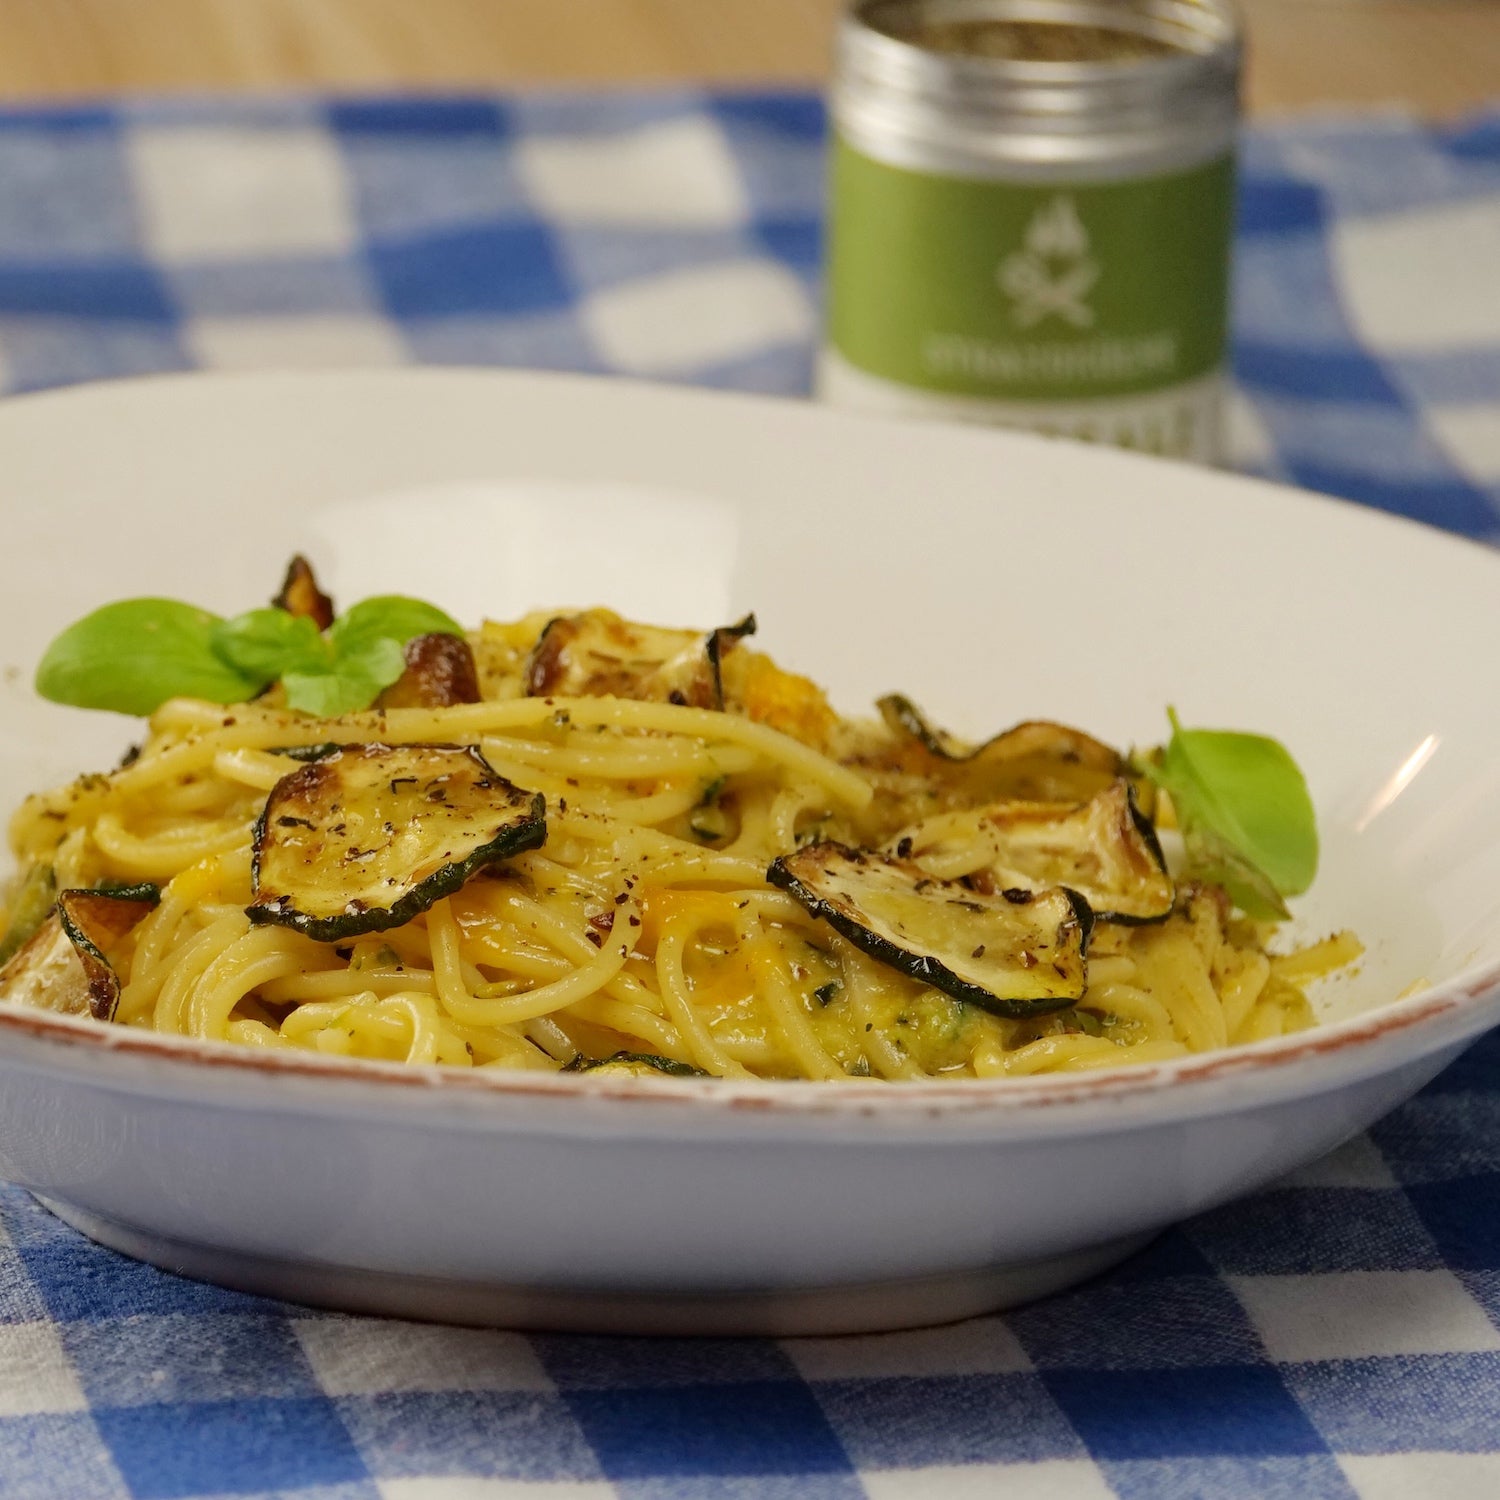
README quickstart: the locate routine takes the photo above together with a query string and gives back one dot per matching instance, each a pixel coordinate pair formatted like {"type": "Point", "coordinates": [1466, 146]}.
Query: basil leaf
{"type": "Point", "coordinates": [365, 646]}
{"type": "Point", "coordinates": [391, 617]}
{"type": "Point", "coordinates": [267, 643]}
{"type": "Point", "coordinates": [352, 682]}
{"type": "Point", "coordinates": [1211, 859]}
{"type": "Point", "coordinates": [131, 656]}
{"type": "Point", "coordinates": [1246, 815]}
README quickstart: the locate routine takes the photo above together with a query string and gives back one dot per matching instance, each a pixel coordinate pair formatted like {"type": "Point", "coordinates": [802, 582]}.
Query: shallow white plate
{"type": "Point", "coordinates": [993, 577]}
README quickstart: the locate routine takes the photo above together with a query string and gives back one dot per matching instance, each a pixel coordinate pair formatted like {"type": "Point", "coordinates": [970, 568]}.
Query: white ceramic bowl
{"type": "Point", "coordinates": [994, 577]}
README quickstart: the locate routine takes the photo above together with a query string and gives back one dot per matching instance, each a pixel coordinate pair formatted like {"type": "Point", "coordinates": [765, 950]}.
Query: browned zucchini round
{"type": "Point", "coordinates": [1015, 954]}
{"type": "Point", "coordinates": [368, 836]}
{"type": "Point", "coordinates": [597, 654]}
{"type": "Point", "coordinates": [637, 1064]}
{"type": "Point", "coordinates": [63, 966]}
{"type": "Point", "coordinates": [95, 921]}
{"type": "Point", "coordinates": [1105, 849]}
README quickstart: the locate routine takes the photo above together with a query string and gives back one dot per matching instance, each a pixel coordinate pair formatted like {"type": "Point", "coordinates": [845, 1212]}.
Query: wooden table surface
{"type": "Point", "coordinates": [1439, 57]}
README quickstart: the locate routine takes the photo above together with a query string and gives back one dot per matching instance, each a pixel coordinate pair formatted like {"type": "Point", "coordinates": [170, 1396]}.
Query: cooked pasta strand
{"type": "Point", "coordinates": [644, 924]}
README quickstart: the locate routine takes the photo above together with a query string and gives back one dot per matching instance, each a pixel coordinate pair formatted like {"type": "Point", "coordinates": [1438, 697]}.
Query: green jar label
{"type": "Point", "coordinates": [1027, 292]}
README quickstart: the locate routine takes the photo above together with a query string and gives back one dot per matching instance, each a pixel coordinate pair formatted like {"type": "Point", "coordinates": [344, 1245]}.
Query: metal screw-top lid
{"type": "Point", "coordinates": [1038, 85]}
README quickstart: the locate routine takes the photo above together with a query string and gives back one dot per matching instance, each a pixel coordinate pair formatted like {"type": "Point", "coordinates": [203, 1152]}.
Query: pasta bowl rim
{"type": "Point", "coordinates": [1375, 1040]}
{"type": "Point", "coordinates": [1236, 1077]}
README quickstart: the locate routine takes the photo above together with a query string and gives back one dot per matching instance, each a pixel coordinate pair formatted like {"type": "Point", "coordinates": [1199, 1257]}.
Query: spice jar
{"type": "Point", "coordinates": [1031, 212]}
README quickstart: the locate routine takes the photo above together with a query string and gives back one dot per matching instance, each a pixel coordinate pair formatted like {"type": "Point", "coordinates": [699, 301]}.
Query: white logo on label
{"type": "Point", "coordinates": [1052, 273]}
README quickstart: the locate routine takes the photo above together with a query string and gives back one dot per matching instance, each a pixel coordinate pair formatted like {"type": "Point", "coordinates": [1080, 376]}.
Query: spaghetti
{"type": "Point", "coordinates": [641, 931]}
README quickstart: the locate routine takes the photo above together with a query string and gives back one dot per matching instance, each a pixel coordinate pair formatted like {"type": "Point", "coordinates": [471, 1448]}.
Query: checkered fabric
{"type": "Point", "coordinates": [1337, 1335]}
{"type": "Point", "coordinates": [676, 236]}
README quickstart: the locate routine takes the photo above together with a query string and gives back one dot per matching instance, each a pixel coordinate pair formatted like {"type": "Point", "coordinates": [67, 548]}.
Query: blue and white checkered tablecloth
{"type": "Point", "coordinates": [1338, 1335]}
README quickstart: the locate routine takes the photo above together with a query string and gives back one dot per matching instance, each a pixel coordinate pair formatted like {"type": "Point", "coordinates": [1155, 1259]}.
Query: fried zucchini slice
{"type": "Point", "coordinates": [596, 654]}
{"type": "Point", "coordinates": [368, 836]}
{"type": "Point", "coordinates": [636, 1064]}
{"type": "Point", "coordinates": [63, 967]}
{"type": "Point", "coordinates": [440, 672]}
{"type": "Point", "coordinates": [1035, 761]}
{"type": "Point", "coordinates": [45, 973]}
{"type": "Point", "coordinates": [1015, 954]}
{"type": "Point", "coordinates": [1105, 849]}
{"type": "Point", "coordinates": [300, 594]}
{"type": "Point", "coordinates": [95, 922]}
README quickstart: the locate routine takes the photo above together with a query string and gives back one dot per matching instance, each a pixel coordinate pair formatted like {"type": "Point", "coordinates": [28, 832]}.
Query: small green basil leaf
{"type": "Point", "coordinates": [1210, 858]}
{"type": "Point", "coordinates": [267, 643]}
{"type": "Point", "coordinates": [353, 682]}
{"type": "Point", "coordinates": [390, 617]}
{"type": "Point", "coordinates": [1245, 812]}
{"type": "Point", "coordinates": [377, 664]}
{"type": "Point", "coordinates": [130, 657]}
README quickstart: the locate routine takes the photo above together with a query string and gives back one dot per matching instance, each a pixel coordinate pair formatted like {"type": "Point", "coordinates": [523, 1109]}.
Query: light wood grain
{"type": "Point", "coordinates": [1436, 56]}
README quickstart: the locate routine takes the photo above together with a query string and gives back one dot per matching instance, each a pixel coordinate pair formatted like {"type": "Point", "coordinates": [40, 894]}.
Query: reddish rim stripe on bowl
{"type": "Point", "coordinates": [1037, 1091]}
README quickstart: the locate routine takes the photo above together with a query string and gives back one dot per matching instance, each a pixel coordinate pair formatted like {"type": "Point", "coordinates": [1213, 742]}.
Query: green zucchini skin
{"type": "Point", "coordinates": [1147, 831]}
{"type": "Point", "coordinates": [523, 829]}
{"type": "Point", "coordinates": [667, 1065]}
{"type": "Point", "coordinates": [1149, 837]}
{"type": "Point", "coordinates": [596, 654]}
{"type": "Point", "coordinates": [82, 915]}
{"type": "Point", "coordinates": [1105, 849]}
{"type": "Point", "coordinates": [33, 904]}
{"type": "Point", "coordinates": [724, 639]}
{"type": "Point", "coordinates": [926, 968]}
{"type": "Point", "coordinates": [1030, 737]}
{"type": "Point", "coordinates": [1036, 760]}
{"type": "Point", "coordinates": [308, 753]}
{"type": "Point", "coordinates": [140, 890]}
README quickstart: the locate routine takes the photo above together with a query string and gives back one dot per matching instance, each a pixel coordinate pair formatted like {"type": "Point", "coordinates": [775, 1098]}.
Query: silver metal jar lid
{"type": "Point", "coordinates": [1173, 98]}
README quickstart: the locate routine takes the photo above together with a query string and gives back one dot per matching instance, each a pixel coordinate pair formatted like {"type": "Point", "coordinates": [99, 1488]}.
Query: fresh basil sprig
{"type": "Point", "coordinates": [1245, 814]}
{"type": "Point", "coordinates": [131, 656]}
